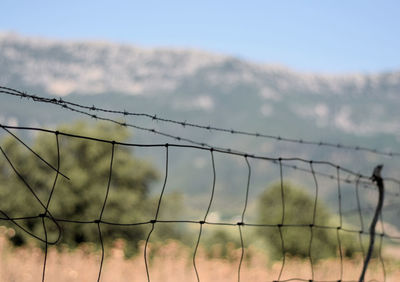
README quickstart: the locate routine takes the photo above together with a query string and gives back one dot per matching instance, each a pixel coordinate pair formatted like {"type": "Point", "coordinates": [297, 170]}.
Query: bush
{"type": "Point", "coordinates": [87, 164]}
{"type": "Point", "coordinates": [299, 210]}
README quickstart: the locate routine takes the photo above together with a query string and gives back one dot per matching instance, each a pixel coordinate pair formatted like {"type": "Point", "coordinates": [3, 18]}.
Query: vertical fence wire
{"type": "Point", "coordinates": [282, 219]}
{"type": "Point", "coordinates": [340, 223]}
{"type": "Point", "coordinates": [313, 219]}
{"type": "Point", "coordinates": [360, 233]}
{"type": "Point", "coordinates": [154, 221]}
{"type": "Point", "coordinates": [201, 223]}
{"type": "Point", "coordinates": [241, 223]}
{"type": "Point", "coordinates": [102, 211]}
{"type": "Point", "coordinates": [47, 206]}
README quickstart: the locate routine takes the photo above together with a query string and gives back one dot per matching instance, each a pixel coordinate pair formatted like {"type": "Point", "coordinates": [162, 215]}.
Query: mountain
{"type": "Point", "coordinates": [211, 89]}
{"type": "Point", "coordinates": [361, 104]}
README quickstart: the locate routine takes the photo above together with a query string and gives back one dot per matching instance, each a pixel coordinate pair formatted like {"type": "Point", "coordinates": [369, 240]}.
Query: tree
{"type": "Point", "coordinates": [87, 164]}
{"type": "Point", "coordinates": [299, 210]}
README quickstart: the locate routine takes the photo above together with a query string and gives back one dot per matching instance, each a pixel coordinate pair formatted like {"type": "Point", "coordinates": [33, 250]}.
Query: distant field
{"type": "Point", "coordinates": [173, 262]}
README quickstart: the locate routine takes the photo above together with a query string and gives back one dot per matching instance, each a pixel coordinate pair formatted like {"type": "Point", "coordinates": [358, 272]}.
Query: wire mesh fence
{"type": "Point", "coordinates": [319, 171]}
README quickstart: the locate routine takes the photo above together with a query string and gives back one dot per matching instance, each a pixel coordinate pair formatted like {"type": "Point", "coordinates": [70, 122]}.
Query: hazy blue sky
{"type": "Point", "coordinates": [333, 36]}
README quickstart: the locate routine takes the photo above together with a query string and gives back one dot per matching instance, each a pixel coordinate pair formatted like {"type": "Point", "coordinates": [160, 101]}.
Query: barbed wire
{"type": "Point", "coordinates": [70, 105]}
{"type": "Point", "coordinates": [201, 144]}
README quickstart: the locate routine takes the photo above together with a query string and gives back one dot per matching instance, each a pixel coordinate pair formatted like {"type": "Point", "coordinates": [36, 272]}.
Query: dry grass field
{"type": "Point", "coordinates": [172, 262]}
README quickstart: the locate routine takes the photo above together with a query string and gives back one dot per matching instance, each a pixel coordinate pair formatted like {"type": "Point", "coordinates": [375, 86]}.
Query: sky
{"type": "Point", "coordinates": [335, 36]}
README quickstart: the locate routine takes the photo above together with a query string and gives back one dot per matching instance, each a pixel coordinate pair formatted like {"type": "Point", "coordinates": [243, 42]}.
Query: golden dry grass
{"type": "Point", "coordinates": [171, 262]}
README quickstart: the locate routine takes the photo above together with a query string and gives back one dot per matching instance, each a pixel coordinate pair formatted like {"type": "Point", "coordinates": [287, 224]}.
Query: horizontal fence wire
{"type": "Point", "coordinates": [285, 161]}
{"type": "Point", "coordinates": [310, 167]}
{"type": "Point", "coordinates": [75, 107]}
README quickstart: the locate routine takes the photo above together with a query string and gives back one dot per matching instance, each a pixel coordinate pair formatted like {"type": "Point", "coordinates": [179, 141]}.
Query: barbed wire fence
{"type": "Point", "coordinates": [86, 110]}
{"type": "Point", "coordinates": [303, 165]}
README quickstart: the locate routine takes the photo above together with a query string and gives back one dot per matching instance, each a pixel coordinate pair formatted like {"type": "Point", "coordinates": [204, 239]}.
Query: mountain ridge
{"type": "Point", "coordinates": [62, 67]}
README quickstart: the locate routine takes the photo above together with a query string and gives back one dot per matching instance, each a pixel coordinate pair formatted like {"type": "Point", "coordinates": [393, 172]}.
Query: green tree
{"type": "Point", "coordinates": [299, 210]}
{"type": "Point", "coordinates": [87, 164]}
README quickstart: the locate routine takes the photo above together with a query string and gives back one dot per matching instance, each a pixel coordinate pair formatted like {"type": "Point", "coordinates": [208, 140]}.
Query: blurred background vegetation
{"type": "Point", "coordinates": [87, 164]}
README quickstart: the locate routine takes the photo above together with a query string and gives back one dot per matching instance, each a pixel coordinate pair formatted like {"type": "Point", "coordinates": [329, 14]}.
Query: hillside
{"type": "Point", "coordinates": [206, 88]}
